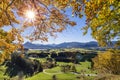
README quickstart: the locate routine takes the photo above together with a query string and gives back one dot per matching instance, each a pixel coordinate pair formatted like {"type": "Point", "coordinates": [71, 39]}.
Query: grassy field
{"type": "Point", "coordinates": [53, 70]}
{"type": "Point", "coordinates": [47, 75]}
{"type": "Point", "coordinates": [2, 71]}
{"type": "Point", "coordinates": [43, 76]}
{"type": "Point", "coordinates": [61, 50]}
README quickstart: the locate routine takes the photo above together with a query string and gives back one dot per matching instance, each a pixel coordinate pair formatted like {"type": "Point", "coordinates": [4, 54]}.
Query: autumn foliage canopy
{"type": "Point", "coordinates": [102, 17]}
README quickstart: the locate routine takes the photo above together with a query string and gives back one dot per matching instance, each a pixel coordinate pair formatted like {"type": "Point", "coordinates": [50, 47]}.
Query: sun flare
{"type": "Point", "coordinates": [30, 14]}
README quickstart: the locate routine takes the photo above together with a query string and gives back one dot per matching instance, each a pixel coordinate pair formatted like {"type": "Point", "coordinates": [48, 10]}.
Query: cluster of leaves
{"type": "Point", "coordinates": [6, 14]}
{"type": "Point", "coordinates": [49, 19]}
{"type": "Point", "coordinates": [6, 43]}
{"type": "Point", "coordinates": [108, 62]}
{"type": "Point", "coordinates": [103, 18]}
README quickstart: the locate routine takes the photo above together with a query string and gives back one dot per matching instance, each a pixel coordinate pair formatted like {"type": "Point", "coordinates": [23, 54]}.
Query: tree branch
{"type": "Point", "coordinates": [10, 4]}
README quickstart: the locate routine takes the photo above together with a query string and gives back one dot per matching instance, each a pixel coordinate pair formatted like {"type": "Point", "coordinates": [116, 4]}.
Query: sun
{"type": "Point", "coordinates": [30, 15]}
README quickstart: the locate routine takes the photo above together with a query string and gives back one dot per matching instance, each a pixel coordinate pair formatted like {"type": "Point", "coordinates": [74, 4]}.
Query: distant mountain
{"type": "Point", "coordinates": [91, 44]}
{"type": "Point", "coordinates": [62, 45]}
{"type": "Point", "coordinates": [29, 45]}
{"type": "Point", "coordinates": [69, 45]}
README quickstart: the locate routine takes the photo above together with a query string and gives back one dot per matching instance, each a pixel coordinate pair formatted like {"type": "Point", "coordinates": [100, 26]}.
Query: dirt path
{"type": "Point", "coordinates": [44, 71]}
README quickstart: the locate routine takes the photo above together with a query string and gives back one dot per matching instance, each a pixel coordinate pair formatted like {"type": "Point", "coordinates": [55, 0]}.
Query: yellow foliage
{"type": "Point", "coordinates": [6, 44]}
{"type": "Point", "coordinates": [49, 19]}
{"type": "Point", "coordinates": [102, 16]}
{"type": "Point", "coordinates": [107, 62]}
{"type": "Point", "coordinates": [103, 19]}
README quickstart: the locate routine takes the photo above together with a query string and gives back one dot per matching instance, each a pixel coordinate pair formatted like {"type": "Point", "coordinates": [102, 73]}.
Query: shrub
{"type": "Point", "coordinates": [50, 63]}
{"type": "Point", "coordinates": [73, 68]}
{"type": "Point", "coordinates": [68, 68]}
{"type": "Point", "coordinates": [53, 55]}
{"type": "Point", "coordinates": [62, 54]}
{"type": "Point", "coordinates": [19, 63]}
{"type": "Point", "coordinates": [42, 55]}
{"type": "Point", "coordinates": [62, 59]}
{"type": "Point", "coordinates": [108, 62]}
{"type": "Point", "coordinates": [65, 68]}
{"type": "Point", "coordinates": [54, 77]}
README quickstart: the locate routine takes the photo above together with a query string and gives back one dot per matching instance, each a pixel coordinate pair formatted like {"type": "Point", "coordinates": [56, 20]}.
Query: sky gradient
{"type": "Point", "coordinates": [71, 34]}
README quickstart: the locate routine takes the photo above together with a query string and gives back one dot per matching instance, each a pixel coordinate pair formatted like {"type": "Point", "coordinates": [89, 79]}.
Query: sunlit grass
{"type": "Point", "coordinates": [63, 76]}
{"type": "Point", "coordinates": [2, 71]}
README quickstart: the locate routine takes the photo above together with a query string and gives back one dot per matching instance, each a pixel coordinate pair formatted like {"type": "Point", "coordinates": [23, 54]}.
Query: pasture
{"type": "Point", "coordinates": [62, 70]}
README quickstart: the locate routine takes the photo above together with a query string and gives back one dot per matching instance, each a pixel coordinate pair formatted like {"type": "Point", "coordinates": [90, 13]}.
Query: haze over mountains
{"type": "Point", "coordinates": [88, 45]}
{"type": "Point", "coordinates": [91, 44]}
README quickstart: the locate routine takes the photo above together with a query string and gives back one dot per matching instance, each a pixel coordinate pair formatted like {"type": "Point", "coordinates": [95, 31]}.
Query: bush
{"type": "Point", "coordinates": [62, 59]}
{"type": "Point", "coordinates": [68, 68]}
{"type": "Point", "coordinates": [54, 77]}
{"type": "Point", "coordinates": [49, 59]}
{"type": "Point", "coordinates": [42, 55]}
{"type": "Point", "coordinates": [53, 55]}
{"type": "Point", "coordinates": [65, 68]}
{"type": "Point", "coordinates": [62, 54]}
{"type": "Point", "coordinates": [108, 62]}
{"type": "Point", "coordinates": [19, 63]}
{"type": "Point", "coordinates": [50, 63]}
{"type": "Point", "coordinates": [73, 68]}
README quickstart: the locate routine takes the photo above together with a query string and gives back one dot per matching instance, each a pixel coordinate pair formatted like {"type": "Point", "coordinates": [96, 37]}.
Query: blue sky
{"type": "Point", "coordinates": [71, 34]}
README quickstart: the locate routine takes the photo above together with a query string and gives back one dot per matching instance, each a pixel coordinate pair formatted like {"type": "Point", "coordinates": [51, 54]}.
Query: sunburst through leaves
{"type": "Point", "coordinates": [30, 15]}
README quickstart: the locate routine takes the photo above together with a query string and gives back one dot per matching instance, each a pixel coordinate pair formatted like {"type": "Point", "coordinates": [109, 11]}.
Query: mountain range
{"type": "Point", "coordinates": [91, 44]}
